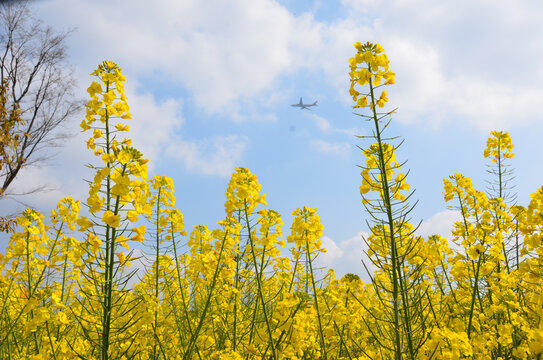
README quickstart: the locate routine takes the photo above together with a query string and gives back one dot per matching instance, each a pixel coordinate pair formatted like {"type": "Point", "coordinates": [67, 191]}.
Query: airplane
{"type": "Point", "coordinates": [302, 106]}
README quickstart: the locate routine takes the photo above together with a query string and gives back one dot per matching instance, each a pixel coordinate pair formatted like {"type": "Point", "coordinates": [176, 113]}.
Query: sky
{"type": "Point", "coordinates": [209, 84]}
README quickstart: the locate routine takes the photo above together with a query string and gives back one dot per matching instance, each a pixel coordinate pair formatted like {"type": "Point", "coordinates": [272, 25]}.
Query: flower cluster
{"type": "Point", "coordinates": [369, 66]}
{"type": "Point", "coordinates": [243, 191]}
{"type": "Point", "coordinates": [306, 229]}
{"type": "Point", "coordinates": [500, 144]}
{"type": "Point", "coordinates": [390, 169]}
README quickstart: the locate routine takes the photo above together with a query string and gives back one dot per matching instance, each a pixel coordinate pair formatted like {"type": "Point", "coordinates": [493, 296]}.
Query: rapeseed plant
{"type": "Point", "coordinates": [67, 290]}
{"type": "Point", "coordinates": [393, 248]}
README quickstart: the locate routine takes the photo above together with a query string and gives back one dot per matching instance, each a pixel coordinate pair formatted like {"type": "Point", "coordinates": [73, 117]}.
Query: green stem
{"type": "Point", "coordinates": [321, 332]}
{"type": "Point", "coordinates": [106, 302]}
{"type": "Point", "coordinates": [397, 286]}
{"type": "Point", "coordinates": [259, 282]}
{"type": "Point", "coordinates": [473, 296]}
{"type": "Point", "coordinates": [29, 285]}
{"type": "Point", "coordinates": [235, 297]}
{"type": "Point", "coordinates": [181, 286]}
{"type": "Point", "coordinates": [194, 337]}
{"type": "Point", "coordinates": [111, 233]}
{"type": "Point", "coordinates": [157, 267]}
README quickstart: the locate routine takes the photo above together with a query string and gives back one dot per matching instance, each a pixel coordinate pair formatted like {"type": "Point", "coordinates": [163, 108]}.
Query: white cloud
{"type": "Point", "coordinates": [347, 256]}
{"type": "Point", "coordinates": [34, 183]}
{"type": "Point", "coordinates": [335, 148]}
{"type": "Point", "coordinates": [426, 89]}
{"type": "Point", "coordinates": [355, 246]}
{"type": "Point", "coordinates": [342, 148]}
{"type": "Point", "coordinates": [333, 253]}
{"type": "Point", "coordinates": [360, 6]}
{"type": "Point", "coordinates": [221, 51]}
{"type": "Point", "coordinates": [448, 65]}
{"type": "Point", "coordinates": [455, 60]}
{"type": "Point", "coordinates": [61, 174]}
{"type": "Point", "coordinates": [215, 156]}
{"type": "Point", "coordinates": [440, 223]}
{"type": "Point", "coordinates": [321, 123]}
{"type": "Point", "coordinates": [324, 126]}
{"type": "Point", "coordinates": [153, 124]}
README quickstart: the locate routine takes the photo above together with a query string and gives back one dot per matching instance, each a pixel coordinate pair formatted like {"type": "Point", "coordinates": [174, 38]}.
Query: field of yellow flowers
{"type": "Point", "coordinates": [67, 290]}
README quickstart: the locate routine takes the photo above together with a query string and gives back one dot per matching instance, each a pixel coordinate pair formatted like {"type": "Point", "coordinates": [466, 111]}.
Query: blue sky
{"type": "Point", "coordinates": [210, 84]}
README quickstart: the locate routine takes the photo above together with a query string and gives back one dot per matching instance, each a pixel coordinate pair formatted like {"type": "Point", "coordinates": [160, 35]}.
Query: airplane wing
{"type": "Point", "coordinates": [302, 106]}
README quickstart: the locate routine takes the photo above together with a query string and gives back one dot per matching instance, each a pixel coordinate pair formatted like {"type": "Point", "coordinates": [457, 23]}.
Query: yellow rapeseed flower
{"type": "Point", "coordinates": [140, 231]}
{"type": "Point", "coordinates": [111, 219]}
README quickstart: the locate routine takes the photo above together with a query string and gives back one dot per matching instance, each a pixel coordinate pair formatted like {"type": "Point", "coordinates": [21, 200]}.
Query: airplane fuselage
{"type": "Point", "coordinates": [302, 106]}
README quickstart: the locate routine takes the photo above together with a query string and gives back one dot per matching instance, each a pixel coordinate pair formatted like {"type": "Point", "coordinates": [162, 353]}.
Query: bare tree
{"type": "Point", "coordinates": [38, 88]}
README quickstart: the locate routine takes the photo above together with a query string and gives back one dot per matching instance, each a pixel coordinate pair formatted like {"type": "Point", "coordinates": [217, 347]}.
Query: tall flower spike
{"type": "Point", "coordinates": [392, 245]}
{"type": "Point", "coordinates": [243, 189]}
{"type": "Point", "coordinates": [499, 149]}
{"type": "Point", "coordinates": [118, 194]}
